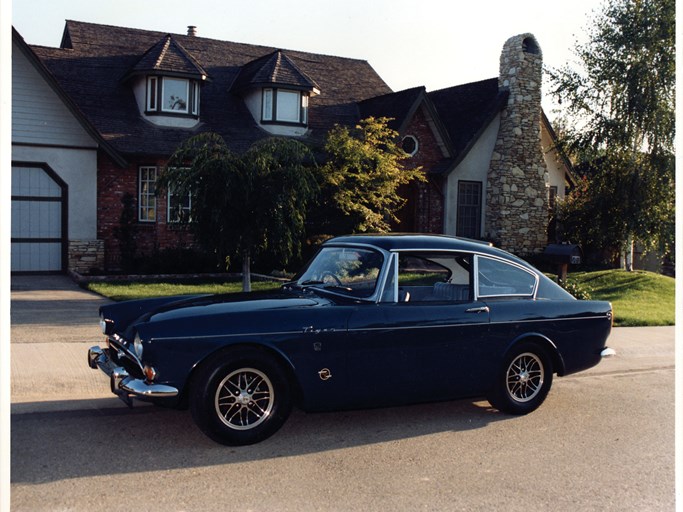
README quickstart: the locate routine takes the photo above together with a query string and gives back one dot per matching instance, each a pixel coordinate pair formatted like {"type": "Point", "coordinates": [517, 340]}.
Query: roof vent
{"type": "Point", "coordinates": [191, 30]}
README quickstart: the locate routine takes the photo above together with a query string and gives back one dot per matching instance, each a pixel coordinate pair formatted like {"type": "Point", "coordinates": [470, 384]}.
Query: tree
{"type": "Point", "coordinates": [247, 204]}
{"type": "Point", "coordinates": [621, 104]}
{"type": "Point", "coordinates": [361, 176]}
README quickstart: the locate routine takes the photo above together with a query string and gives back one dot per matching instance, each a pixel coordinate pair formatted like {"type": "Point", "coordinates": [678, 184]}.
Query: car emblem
{"type": "Point", "coordinates": [325, 374]}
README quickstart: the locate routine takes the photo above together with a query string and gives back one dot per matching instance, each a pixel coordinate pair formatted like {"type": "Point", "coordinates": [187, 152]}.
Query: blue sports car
{"type": "Point", "coordinates": [372, 320]}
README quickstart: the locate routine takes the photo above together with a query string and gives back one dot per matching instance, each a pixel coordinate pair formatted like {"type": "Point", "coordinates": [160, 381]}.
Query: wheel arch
{"type": "Point", "coordinates": [284, 362]}
{"type": "Point", "coordinates": [544, 342]}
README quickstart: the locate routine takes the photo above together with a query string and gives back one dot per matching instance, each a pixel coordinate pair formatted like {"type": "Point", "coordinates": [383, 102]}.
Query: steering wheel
{"type": "Point", "coordinates": [329, 276]}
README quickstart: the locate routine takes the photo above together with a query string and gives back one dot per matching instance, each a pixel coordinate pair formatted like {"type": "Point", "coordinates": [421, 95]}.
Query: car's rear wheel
{"type": "Point", "coordinates": [240, 397]}
{"type": "Point", "coordinates": [524, 380]}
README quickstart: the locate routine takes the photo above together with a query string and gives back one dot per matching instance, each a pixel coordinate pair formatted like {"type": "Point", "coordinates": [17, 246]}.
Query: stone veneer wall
{"type": "Point", "coordinates": [516, 190]}
{"type": "Point", "coordinates": [86, 256]}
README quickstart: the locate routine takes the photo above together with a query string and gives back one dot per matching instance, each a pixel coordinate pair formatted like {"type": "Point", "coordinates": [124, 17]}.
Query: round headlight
{"type": "Point", "coordinates": [137, 346]}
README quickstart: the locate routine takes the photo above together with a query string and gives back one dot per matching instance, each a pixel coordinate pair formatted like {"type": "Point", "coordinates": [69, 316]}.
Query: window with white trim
{"type": "Point", "coordinates": [179, 207]}
{"type": "Point", "coordinates": [284, 106]}
{"type": "Point", "coordinates": [172, 95]}
{"type": "Point", "coordinates": [147, 201]}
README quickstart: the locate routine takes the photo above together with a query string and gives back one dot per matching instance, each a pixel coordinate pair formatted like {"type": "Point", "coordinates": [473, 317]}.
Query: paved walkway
{"type": "Point", "coordinates": [54, 322]}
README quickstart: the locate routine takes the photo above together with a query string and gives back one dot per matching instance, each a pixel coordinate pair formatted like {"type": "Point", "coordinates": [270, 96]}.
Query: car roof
{"type": "Point", "coordinates": [426, 242]}
{"type": "Point", "coordinates": [405, 241]}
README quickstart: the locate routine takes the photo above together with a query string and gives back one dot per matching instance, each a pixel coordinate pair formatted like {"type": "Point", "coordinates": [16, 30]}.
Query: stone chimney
{"type": "Point", "coordinates": [191, 30]}
{"type": "Point", "coordinates": [516, 190]}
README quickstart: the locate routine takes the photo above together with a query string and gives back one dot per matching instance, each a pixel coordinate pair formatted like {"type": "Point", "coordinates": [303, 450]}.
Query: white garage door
{"type": "Point", "coordinates": [38, 219]}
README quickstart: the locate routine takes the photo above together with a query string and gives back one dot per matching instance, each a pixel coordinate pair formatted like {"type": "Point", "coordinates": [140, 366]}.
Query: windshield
{"type": "Point", "coordinates": [344, 269]}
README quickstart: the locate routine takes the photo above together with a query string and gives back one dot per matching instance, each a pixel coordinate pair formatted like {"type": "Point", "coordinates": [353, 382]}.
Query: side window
{"type": "Point", "coordinates": [147, 201]}
{"type": "Point", "coordinates": [497, 278]}
{"type": "Point", "coordinates": [434, 277]}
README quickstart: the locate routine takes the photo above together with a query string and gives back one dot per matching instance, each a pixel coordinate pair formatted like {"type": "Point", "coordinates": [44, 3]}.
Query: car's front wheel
{"type": "Point", "coordinates": [523, 381]}
{"type": "Point", "coordinates": [240, 397]}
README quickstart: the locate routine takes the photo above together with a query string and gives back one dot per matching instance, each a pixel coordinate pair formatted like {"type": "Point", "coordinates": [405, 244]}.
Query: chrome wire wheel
{"type": "Point", "coordinates": [524, 377]}
{"type": "Point", "coordinates": [244, 399]}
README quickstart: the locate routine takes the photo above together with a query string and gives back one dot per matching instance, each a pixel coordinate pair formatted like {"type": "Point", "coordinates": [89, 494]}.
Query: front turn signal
{"type": "Point", "coordinates": [150, 373]}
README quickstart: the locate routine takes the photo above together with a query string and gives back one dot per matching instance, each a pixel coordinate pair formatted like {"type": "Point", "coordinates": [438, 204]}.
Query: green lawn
{"type": "Point", "coordinates": [639, 298]}
{"type": "Point", "coordinates": [138, 290]}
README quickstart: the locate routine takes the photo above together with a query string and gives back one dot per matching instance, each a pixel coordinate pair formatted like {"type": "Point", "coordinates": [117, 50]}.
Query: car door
{"type": "Point", "coordinates": [425, 344]}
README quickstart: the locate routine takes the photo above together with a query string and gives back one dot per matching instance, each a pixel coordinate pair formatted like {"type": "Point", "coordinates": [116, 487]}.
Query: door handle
{"type": "Point", "coordinates": [483, 309]}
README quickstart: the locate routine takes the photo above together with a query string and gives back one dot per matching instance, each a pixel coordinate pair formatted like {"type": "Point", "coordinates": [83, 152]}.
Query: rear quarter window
{"type": "Point", "coordinates": [498, 278]}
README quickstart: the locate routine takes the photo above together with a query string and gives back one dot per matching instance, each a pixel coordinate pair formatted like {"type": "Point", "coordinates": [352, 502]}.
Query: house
{"type": "Point", "coordinates": [135, 95]}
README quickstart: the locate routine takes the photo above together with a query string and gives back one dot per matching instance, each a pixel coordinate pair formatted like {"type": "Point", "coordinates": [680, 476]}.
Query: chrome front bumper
{"type": "Point", "coordinates": [608, 352]}
{"type": "Point", "coordinates": [122, 384]}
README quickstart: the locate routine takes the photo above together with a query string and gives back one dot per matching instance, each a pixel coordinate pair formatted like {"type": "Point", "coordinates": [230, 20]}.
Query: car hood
{"type": "Point", "coordinates": [123, 316]}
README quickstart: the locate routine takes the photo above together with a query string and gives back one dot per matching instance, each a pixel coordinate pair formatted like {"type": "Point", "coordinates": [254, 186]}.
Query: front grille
{"type": "Point", "coordinates": [120, 355]}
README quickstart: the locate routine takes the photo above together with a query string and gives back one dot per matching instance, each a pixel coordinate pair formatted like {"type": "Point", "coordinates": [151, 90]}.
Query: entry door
{"type": "Point", "coordinates": [417, 351]}
{"type": "Point", "coordinates": [38, 219]}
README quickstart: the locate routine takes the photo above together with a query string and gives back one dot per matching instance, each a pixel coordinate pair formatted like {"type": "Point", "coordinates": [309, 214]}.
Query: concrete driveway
{"type": "Point", "coordinates": [54, 322]}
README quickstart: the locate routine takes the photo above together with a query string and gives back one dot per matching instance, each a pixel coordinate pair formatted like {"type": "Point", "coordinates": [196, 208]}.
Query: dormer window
{"type": "Point", "coordinates": [169, 95]}
{"type": "Point", "coordinates": [284, 106]}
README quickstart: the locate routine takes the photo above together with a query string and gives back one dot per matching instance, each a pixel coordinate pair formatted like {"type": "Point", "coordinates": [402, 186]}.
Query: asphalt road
{"type": "Point", "coordinates": [603, 440]}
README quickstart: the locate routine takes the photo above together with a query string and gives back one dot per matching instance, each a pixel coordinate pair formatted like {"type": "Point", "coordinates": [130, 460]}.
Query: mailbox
{"type": "Point", "coordinates": [563, 255]}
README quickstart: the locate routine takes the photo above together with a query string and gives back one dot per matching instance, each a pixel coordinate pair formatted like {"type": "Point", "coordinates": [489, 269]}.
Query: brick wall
{"type": "Point", "coordinates": [424, 211]}
{"type": "Point", "coordinates": [113, 183]}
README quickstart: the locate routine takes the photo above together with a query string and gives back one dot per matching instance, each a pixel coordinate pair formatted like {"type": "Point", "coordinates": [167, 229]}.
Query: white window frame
{"type": "Point", "coordinates": [156, 90]}
{"type": "Point", "coordinates": [270, 108]}
{"type": "Point", "coordinates": [267, 108]}
{"type": "Point", "coordinates": [147, 200]}
{"type": "Point", "coordinates": [195, 98]}
{"type": "Point", "coordinates": [152, 94]}
{"type": "Point", "coordinates": [169, 212]}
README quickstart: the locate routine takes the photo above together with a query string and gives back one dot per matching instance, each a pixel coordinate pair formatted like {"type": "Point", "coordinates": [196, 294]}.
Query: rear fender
{"type": "Point", "coordinates": [547, 344]}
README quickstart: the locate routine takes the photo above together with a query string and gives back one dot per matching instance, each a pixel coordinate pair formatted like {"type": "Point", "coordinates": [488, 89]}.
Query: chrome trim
{"type": "Point", "coordinates": [299, 332]}
{"type": "Point", "coordinates": [376, 296]}
{"type": "Point", "coordinates": [119, 344]}
{"type": "Point", "coordinates": [142, 388]}
{"type": "Point", "coordinates": [472, 324]}
{"type": "Point", "coordinates": [122, 384]}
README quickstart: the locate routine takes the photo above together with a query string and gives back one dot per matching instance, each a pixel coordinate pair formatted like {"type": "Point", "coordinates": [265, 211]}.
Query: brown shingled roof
{"type": "Point", "coordinates": [94, 58]}
{"type": "Point", "coordinates": [274, 69]}
{"type": "Point", "coordinates": [169, 56]}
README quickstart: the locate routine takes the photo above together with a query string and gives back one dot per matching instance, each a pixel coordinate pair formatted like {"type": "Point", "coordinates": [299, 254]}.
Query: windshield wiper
{"type": "Point", "coordinates": [311, 282]}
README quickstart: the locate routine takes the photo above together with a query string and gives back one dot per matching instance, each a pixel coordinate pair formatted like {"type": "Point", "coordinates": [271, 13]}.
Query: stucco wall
{"type": "Point", "coordinates": [78, 168]}
{"type": "Point", "coordinates": [474, 167]}
{"type": "Point", "coordinates": [253, 101]}
{"type": "Point", "coordinates": [45, 130]}
{"type": "Point", "coordinates": [556, 167]}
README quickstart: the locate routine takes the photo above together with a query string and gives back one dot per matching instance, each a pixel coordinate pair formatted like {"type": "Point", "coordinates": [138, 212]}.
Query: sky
{"type": "Point", "coordinates": [431, 43]}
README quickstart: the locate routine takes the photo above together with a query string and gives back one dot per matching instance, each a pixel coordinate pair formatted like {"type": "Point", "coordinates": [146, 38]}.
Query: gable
{"type": "Point", "coordinates": [39, 116]}
{"type": "Point", "coordinates": [466, 111]}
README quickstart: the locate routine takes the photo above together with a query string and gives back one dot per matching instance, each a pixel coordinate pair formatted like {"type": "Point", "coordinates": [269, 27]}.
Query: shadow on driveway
{"type": "Point", "coordinates": [51, 446]}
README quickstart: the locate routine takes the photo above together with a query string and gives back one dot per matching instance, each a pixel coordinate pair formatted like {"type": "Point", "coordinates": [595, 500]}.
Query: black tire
{"type": "Point", "coordinates": [523, 380]}
{"type": "Point", "coordinates": [240, 397]}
